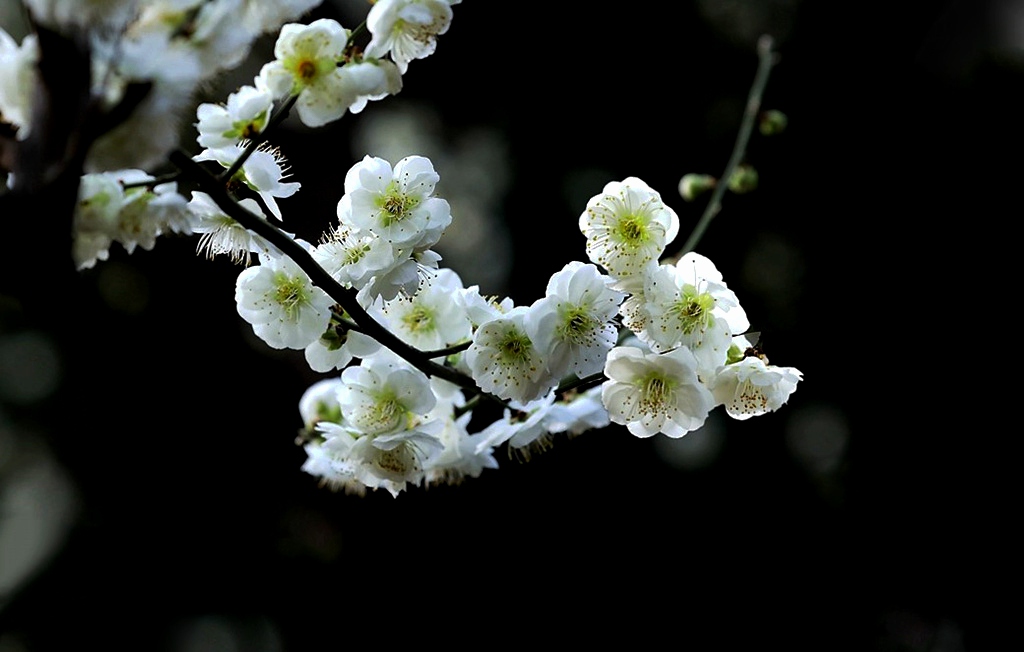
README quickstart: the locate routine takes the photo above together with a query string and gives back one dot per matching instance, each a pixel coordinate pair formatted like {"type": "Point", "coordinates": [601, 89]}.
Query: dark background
{"type": "Point", "coordinates": [179, 518]}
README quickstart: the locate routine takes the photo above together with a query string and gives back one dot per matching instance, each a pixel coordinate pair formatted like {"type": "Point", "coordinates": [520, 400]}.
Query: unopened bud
{"type": "Point", "coordinates": [743, 180]}
{"type": "Point", "coordinates": [772, 122]}
{"type": "Point", "coordinates": [692, 185]}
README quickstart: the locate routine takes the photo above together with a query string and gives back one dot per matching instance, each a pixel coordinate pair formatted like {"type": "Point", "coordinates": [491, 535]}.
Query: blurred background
{"type": "Point", "coordinates": [151, 495]}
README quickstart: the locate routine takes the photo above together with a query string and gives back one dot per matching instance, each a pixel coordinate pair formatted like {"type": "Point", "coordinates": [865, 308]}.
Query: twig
{"type": "Point", "coordinates": [766, 59]}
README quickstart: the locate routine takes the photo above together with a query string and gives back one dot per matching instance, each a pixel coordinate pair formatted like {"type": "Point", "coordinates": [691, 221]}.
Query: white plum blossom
{"type": "Point", "coordinates": [388, 430]}
{"type": "Point", "coordinates": [244, 116]}
{"type": "Point", "coordinates": [387, 220]}
{"type": "Point", "coordinates": [627, 226]}
{"type": "Point", "coordinates": [352, 257]}
{"type": "Point", "coordinates": [479, 308]}
{"type": "Point", "coordinates": [368, 80]}
{"type": "Point", "coordinates": [429, 319]}
{"type": "Point", "coordinates": [578, 413]}
{"type": "Point", "coordinates": [107, 212]}
{"type": "Point", "coordinates": [572, 325]}
{"type": "Point", "coordinates": [333, 467]}
{"type": "Point", "coordinates": [460, 457]}
{"type": "Point", "coordinates": [220, 234]}
{"type": "Point", "coordinates": [149, 211]}
{"type": "Point", "coordinates": [284, 307]}
{"type": "Point", "coordinates": [264, 172]}
{"type": "Point", "coordinates": [688, 304]}
{"type": "Point", "coordinates": [396, 203]}
{"type": "Point", "coordinates": [320, 403]}
{"type": "Point", "coordinates": [387, 462]}
{"type": "Point", "coordinates": [306, 65]}
{"type": "Point", "coordinates": [752, 387]}
{"type": "Point", "coordinates": [504, 361]}
{"type": "Point", "coordinates": [524, 428]}
{"type": "Point", "coordinates": [100, 197]}
{"type": "Point", "coordinates": [402, 277]}
{"type": "Point", "coordinates": [384, 395]}
{"type": "Point", "coordinates": [651, 393]}
{"type": "Point", "coordinates": [406, 29]}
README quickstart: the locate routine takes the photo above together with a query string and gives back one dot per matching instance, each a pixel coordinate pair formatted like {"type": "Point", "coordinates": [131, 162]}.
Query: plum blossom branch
{"type": "Point", "coordinates": [344, 296]}
{"type": "Point", "coordinates": [766, 59]}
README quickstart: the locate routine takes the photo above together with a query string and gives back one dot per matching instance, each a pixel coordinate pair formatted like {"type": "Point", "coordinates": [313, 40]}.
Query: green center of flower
{"type": "Point", "coordinates": [693, 310]}
{"type": "Point", "coordinates": [395, 205]}
{"type": "Point", "coordinates": [656, 391]}
{"type": "Point", "coordinates": [354, 254]}
{"type": "Point", "coordinates": [632, 230]}
{"type": "Point", "coordinates": [383, 414]}
{"type": "Point", "coordinates": [307, 69]}
{"type": "Point", "coordinates": [246, 128]}
{"type": "Point", "coordinates": [419, 319]}
{"type": "Point", "coordinates": [577, 325]}
{"type": "Point", "coordinates": [515, 348]}
{"type": "Point", "coordinates": [290, 294]}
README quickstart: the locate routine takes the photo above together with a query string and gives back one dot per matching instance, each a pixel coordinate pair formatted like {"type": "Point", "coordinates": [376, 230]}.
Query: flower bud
{"type": "Point", "coordinates": [772, 122]}
{"type": "Point", "coordinates": [692, 185]}
{"type": "Point", "coordinates": [743, 180]}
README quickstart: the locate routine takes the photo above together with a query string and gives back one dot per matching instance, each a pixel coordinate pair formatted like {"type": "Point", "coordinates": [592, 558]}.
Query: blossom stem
{"type": "Point", "coordinates": [766, 59]}
{"type": "Point", "coordinates": [356, 31]}
{"type": "Point", "coordinates": [341, 320]}
{"type": "Point", "coordinates": [467, 406]}
{"type": "Point", "coordinates": [277, 118]}
{"type": "Point", "coordinates": [441, 353]}
{"type": "Point", "coordinates": [581, 384]}
{"type": "Point", "coordinates": [346, 297]}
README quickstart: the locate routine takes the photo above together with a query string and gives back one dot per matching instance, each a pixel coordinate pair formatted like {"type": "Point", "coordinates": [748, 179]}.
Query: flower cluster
{"type": "Point", "coordinates": [427, 376]}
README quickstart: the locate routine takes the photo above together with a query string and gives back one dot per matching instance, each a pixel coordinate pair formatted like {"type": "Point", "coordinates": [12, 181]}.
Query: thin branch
{"type": "Point", "coordinates": [344, 322]}
{"type": "Point", "coordinates": [766, 59]}
{"type": "Point", "coordinates": [451, 350]}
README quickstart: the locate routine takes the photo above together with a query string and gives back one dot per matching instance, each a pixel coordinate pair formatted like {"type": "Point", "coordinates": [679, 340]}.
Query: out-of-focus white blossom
{"type": "Point", "coordinates": [17, 81]}
{"type": "Point", "coordinates": [107, 212]}
{"type": "Point", "coordinates": [406, 29]}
